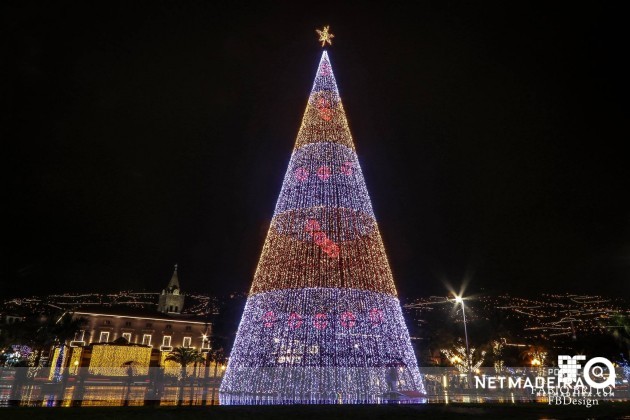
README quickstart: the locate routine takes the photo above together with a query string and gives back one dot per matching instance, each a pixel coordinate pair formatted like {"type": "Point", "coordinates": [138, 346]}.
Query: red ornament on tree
{"type": "Point", "coordinates": [268, 319]}
{"type": "Point", "coordinates": [376, 316]}
{"type": "Point", "coordinates": [321, 321]}
{"type": "Point", "coordinates": [323, 173]}
{"type": "Point", "coordinates": [348, 319]}
{"type": "Point", "coordinates": [301, 174]}
{"type": "Point", "coordinates": [295, 320]}
{"type": "Point", "coordinates": [346, 168]}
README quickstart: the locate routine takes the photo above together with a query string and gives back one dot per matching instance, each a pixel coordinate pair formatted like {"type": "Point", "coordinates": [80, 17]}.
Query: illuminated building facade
{"type": "Point", "coordinates": [143, 336]}
{"type": "Point", "coordinates": [322, 322]}
{"type": "Point", "coordinates": [158, 332]}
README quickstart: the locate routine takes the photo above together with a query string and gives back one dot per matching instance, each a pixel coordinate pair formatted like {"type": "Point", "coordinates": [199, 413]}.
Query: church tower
{"type": "Point", "coordinates": [171, 300]}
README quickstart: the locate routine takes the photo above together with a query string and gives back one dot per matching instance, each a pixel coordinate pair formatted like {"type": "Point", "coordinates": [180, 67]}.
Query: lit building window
{"type": "Point", "coordinates": [127, 336]}
{"type": "Point", "coordinates": [205, 343]}
{"type": "Point", "coordinates": [187, 341]}
{"type": "Point", "coordinates": [166, 341]}
{"type": "Point", "coordinates": [79, 336]}
{"type": "Point", "coordinates": [104, 338]}
{"type": "Point", "coordinates": [146, 339]}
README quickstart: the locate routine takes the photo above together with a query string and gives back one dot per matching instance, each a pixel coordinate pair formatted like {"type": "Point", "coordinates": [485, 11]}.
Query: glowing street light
{"type": "Point", "coordinates": [460, 299]}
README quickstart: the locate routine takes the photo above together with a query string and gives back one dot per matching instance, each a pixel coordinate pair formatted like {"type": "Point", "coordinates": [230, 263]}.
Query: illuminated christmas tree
{"type": "Point", "coordinates": [322, 321]}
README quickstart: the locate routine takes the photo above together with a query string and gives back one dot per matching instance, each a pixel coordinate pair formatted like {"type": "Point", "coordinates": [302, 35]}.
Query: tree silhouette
{"type": "Point", "coordinates": [621, 331]}
{"type": "Point", "coordinates": [217, 357]}
{"type": "Point", "coordinates": [185, 356]}
{"type": "Point", "coordinates": [43, 333]}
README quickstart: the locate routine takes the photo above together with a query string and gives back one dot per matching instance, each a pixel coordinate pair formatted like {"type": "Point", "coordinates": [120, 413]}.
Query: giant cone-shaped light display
{"type": "Point", "coordinates": [322, 322]}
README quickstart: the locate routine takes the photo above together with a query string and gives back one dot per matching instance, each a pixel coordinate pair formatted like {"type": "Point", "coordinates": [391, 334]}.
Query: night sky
{"type": "Point", "coordinates": [138, 135]}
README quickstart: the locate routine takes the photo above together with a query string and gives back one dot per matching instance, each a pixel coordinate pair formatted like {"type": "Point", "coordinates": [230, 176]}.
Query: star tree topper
{"type": "Point", "coordinates": [325, 36]}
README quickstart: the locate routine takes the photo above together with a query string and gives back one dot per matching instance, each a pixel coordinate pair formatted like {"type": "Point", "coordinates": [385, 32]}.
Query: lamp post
{"type": "Point", "coordinates": [459, 299]}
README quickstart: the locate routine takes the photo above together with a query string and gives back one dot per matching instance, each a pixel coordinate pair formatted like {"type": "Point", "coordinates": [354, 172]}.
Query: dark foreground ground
{"type": "Point", "coordinates": [327, 412]}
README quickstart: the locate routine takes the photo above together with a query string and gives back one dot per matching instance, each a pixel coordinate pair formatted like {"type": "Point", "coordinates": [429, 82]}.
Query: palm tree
{"type": "Point", "coordinates": [30, 333]}
{"type": "Point", "coordinates": [465, 361]}
{"type": "Point", "coordinates": [536, 355]}
{"type": "Point", "coordinates": [497, 355]}
{"type": "Point", "coordinates": [185, 356]}
{"type": "Point", "coordinates": [219, 358]}
{"type": "Point", "coordinates": [621, 331]}
{"type": "Point", "coordinates": [66, 327]}
{"type": "Point", "coordinates": [43, 333]}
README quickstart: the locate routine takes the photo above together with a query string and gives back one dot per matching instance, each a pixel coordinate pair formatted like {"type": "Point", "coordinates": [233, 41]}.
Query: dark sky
{"type": "Point", "coordinates": [141, 134]}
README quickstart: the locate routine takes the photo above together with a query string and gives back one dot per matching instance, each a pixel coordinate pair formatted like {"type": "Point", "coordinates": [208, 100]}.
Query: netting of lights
{"type": "Point", "coordinates": [111, 360]}
{"type": "Point", "coordinates": [322, 323]}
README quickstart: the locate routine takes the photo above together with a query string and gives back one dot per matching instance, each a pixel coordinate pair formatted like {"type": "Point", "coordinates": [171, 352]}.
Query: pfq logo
{"type": "Point", "coordinates": [569, 367]}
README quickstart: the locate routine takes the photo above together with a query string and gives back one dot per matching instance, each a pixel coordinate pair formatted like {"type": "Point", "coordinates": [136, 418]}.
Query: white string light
{"type": "Point", "coordinates": [322, 323]}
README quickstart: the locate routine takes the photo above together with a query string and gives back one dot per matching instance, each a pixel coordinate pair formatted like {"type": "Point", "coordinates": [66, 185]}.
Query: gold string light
{"type": "Point", "coordinates": [325, 36]}
{"type": "Point", "coordinates": [111, 359]}
{"type": "Point", "coordinates": [322, 323]}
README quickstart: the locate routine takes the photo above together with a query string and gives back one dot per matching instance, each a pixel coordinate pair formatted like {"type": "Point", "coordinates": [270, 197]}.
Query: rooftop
{"type": "Point", "coordinates": [144, 313]}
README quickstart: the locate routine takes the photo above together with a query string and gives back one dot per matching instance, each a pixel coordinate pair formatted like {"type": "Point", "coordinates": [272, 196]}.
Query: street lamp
{"type": "Point", "coordinates": [459, 299]}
